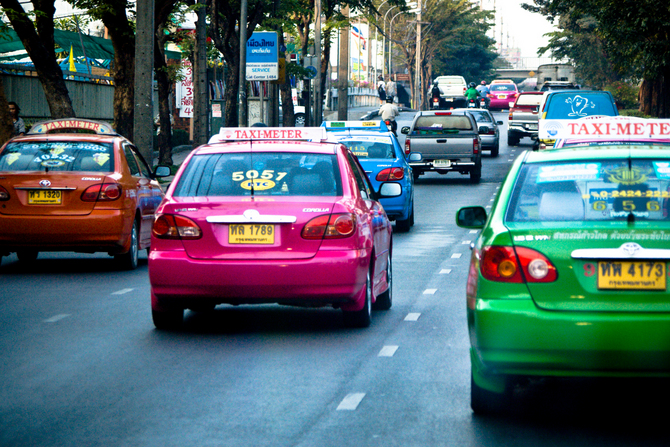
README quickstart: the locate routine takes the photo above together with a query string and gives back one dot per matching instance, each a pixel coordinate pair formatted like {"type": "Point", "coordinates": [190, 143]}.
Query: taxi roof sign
{"type": "Point", "coordinates": [269, 133]}
{"type": "Point", "coordinates": [606, 128]}
{"type": "Point", "coordinates": [64, 125]}
{"type": "Point", "coordinates": [378, 125]}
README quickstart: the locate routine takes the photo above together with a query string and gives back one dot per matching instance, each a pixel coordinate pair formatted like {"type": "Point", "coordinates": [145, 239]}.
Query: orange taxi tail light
{"type": "Point", "coordinates": [167, 226]}
{"type": "Point", "coordinates": [4, 195]}
{"type": "Point", "coordinates": [390, 174]}
{"type": "Point", "coordinates": [330, 227]}
{"type": "Point", "coordinates": [105, 192]}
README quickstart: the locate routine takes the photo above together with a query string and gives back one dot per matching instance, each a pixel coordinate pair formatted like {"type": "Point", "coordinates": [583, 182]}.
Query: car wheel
{"type": "Point", "coordinates": [411, 216]}
{"type": "Point", "coordinates": [300, 119]}
{"type": "Point", "coordinates": [495, 150]}
{"type": "Point", "coordinates": [416, 174]}
{"type": "Point", "coordinates": [385, 300]}
{"type": "Point", "coordinates": [168, 320]}
{"type": "Point", "coordinates": [403, 225]}
{"type": "Point", "coordinates": [476, 173]}
{"type": "Point", "coordinates": [361, 318]}
{"type": "Point", "coordinates": [511, 141]}
{"type": "Point", "coordinates": [128, 261]}
{"type": "Point", "coordinates": [27, 256]}
{"type": "Point", "coordinates": [483, 401]}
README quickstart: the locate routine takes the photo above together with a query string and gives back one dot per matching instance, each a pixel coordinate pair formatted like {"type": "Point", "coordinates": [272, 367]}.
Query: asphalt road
{"type": "Point", "coordinates": [83, 365]}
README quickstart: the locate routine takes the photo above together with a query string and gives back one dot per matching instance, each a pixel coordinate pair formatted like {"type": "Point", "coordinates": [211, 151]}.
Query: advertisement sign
{"type": "Point", "coordinates": [184, 91]}
{"type": "Point", "coordinates": [262, 57]}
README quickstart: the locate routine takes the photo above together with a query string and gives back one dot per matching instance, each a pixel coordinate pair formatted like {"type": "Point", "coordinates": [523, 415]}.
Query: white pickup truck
{"type": "Point", "coordinates": [445, 141]}
{"type": "Point", "coordinates": [452, 91]}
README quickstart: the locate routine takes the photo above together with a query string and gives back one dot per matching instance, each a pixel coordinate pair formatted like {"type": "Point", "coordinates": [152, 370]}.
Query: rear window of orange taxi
{"type": "Point", "coordinates": [54, 155]}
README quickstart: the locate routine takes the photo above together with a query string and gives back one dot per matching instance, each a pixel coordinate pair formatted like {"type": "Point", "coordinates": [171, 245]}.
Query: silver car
{"type": "Point", "coordinates": [491, 139]}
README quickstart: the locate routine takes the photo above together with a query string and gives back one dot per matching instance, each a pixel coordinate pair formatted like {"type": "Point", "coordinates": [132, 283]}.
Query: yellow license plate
{"type": "Point", "coordinates": [45, 197]}
{"type": "Point", "coordinates": [631, 275]}
{"type": "Point", "coordinates": [251, 234]}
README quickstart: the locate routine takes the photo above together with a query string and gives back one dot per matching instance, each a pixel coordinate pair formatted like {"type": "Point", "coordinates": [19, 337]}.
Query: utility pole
{"type": "Point", "coordinates": [318, 97]}
{"type": "Point", "coordinates": [343, 71]}
{"type": "Point", "coordinates": [242, 90]}
{"type": "Point", "coordinates": [417, 76]}
{"type": "Point", "coordinates": [200, 82]}
{"type": "Point", "coordinates": [143, 123]}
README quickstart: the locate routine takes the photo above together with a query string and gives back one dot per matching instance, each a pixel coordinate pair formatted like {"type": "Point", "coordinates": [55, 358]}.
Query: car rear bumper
{"type": "Point", "coordinates": [523, 129]}
{"type": "Point", "coordinates": [330, 277]}
{"type": "Point", "coordinates": [102, 230]}
{"type": "Point", "coordinates": [514, 337]}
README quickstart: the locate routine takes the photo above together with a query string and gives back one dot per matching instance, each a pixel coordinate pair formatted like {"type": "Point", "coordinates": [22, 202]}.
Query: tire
{"type": "Point", "coordinates": [495, 150]}
{"type": "Point", "coordinates": [129, 261]}
{"type": "Point", "coordinates": [476, 174]}
{"type": "Point", "coordinates": [512, 141]}
{"type": "Point", "coordinates": [299, 119]}
{"type": "Point", "coordinates": [403, 225]}
{"type": "Point", "coordinates": [416, 174]}
{"type": "Point", "coordinates": [385, 300]}
{"type": "Point", "coordinates": [27, 256]}
{"type": "Point", "coordinates": [170, 320]}
{"type": "Point", "coordinates": [361, 318]}
{"type": "Point", "coordinates": [487, 402]}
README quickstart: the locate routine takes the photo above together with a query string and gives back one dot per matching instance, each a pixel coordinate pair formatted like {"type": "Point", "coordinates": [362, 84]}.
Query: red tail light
{"type": "Point", "coordinates": [167, 226]}
{"type": "Point", "coordinates": [442, 113]}
{"type": "Point", "coordinates": [4, 195]}
{"type": "Point", "coordinates": [475, 145]}
{"type": "Point", "coordinates": [390, 174]}
{"type": "Point", "coordinates": [105, 192]}
{"type": "Point", "coordinates": [516, 264]}
{"type": "Point", "coordinates": [334, 226]}
{"type": "Point", "coordinates": [408, 146]}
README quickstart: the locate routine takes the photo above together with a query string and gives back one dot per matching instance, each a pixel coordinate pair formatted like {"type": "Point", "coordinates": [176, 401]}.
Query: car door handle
{"type": "Point", "coordinates": [442, 141]}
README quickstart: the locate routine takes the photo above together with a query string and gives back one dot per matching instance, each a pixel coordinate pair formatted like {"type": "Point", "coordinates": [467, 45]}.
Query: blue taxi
{"type": "Point", "coordinates": [383, 160]}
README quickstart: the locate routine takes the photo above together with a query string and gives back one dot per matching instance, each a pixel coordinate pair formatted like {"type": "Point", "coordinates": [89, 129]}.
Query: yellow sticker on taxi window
{"type": "Point", "coordinates": [369, 124]}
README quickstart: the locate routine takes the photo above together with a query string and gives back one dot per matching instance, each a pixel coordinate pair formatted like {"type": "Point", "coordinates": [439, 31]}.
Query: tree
{"type": "Point", "coordinates": [38, 40]}
{"type": "Point", "coordinates": [636, 38]}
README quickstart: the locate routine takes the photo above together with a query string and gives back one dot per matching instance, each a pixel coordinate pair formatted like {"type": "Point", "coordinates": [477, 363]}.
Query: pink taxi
{"type": "Point", "coordinates": [271, 218]}
{"type": "Point", "coordinates": [502, 94]}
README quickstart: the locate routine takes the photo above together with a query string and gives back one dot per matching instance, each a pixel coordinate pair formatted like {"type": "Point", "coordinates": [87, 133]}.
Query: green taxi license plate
{"type": "Point", "coordinates": [631, 275]}
{"type": "Point", "coordinates": [45, 197]}
{"type": "Point", "coordinates": [261, 234]}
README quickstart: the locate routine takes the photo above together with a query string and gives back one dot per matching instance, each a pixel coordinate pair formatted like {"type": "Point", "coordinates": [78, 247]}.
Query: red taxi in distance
{"type": "Point", "coordinates": [75, 185]}
{"type": "Point", "coordinates": [271, 219]}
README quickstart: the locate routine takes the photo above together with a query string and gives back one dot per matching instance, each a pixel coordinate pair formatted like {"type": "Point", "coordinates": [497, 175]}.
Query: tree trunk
{"type": "Point", "coordinates": [41, 52]}
{"type": "Point", "coordinates": [230, 95]}
{"type": "Point", "coordinates": [6, 128]}
{"type": "Point", "coordinates": [655, 96]}
{"type": "Point", "coordinates": [164, 115]}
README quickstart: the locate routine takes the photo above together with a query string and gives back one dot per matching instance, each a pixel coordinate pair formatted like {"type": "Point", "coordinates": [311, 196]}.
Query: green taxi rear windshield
{"type": "Point", "coordinates": [260, 174]}
{"type": "Point", "coordinates": [66, 156]}
{"type": "Point", "coordinates": [598, 190]}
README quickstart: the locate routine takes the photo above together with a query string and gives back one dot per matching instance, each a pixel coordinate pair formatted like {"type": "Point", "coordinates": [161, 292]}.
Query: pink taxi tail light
{"type": "Point", "coordinates": [391, 174]}
{"type": "Point", "coordinates": [167, 226]}
{"type": "Point", "coordinates": [105, 192]}
{"type": "Point", "coordinates": [330, 226]}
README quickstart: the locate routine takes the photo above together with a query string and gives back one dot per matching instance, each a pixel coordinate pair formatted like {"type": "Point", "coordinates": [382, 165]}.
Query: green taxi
{"type": "Point", "coordinates": [569, 276]}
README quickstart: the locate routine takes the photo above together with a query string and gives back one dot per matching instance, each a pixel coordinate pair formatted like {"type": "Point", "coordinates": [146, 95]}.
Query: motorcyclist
{"type": "Point", "coordinates": [471, 92]}
{"type": "Point", "coordinates": [435, 91]}
{"type": "Point", "coordinates": [389, 111]}
{"type": "Point", "coordinates": [484, 91]}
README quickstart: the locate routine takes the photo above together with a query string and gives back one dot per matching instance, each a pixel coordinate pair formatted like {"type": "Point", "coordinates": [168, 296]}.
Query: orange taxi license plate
{"type": "Point", "coordinates": [631, 275]}
{"type": "Point", "coordinates": [251, 234]}
{"type": "Point", "coordinates": [45, 197]}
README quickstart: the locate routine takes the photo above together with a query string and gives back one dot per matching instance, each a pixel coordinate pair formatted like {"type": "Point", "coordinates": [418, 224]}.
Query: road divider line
{"type": "Point", "coordinates": [122, 291]}
{"type": "Point", "coordinates": [429, 291]}
{"type": "Point", "coordinates": [387, 351]}
{"type": "Point", "coordinates": [56, 318]}
{"type": "Point", "coordinates": [445, 271]}
{"type": "Point", "coordinates": [466, 242]}
{"type": "Point", "coordinates": [351, 401]}
{"type": "Point", "coordinates": [456, 255]}
{"type": "Point", "coordinates": [413, 316]}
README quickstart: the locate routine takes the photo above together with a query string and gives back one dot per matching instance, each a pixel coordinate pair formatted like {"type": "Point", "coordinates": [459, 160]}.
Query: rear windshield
{"type": "Point", "coordinates": [599, 190]}
{"type": "Point", "coordinates": [365, 147]}
{"type": "Point", "coordinates": [451, 81]}
{"type": "Point", "coordinates": [481, 117]}
{"type": "Point", "coordinates": [502, 88]}
{"type": "Point", "coordinates": [576, 105]}
{"type": "Point", "coordinates": [263, 174]}
{"type": "Point", "coordinates": [529, 100]}
{"type": "Point", "coordinates": [441, 124]}
{"type": "Point", "coordinates": [68, 156]}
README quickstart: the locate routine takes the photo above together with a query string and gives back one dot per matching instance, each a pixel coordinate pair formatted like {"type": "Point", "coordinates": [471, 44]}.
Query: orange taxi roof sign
{"type": "Point", "coordinates": [67, 124]}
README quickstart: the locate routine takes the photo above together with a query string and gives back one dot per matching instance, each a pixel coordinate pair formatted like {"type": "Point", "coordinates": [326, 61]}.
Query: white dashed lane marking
{"type": "Point", "coordinates": [387, 351]}
{"type": "Point", "coordinates": [445, 271]}
{"type": "Point", "coordinates": [122, 291]}
{"type": "Point", "coordinates": [456, 255]}
{"type": "Point", "coordinates": [56, 318]}
{"type": "Point", "coordinates": [429, 291]}
{"type": "Point", "coordinates": [412, 316]}
{"type": "Point", "coordinates": [351, 401]}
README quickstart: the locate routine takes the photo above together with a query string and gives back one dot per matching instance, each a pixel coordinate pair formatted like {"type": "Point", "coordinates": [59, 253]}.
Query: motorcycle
{"type": "Point", "coordinates": [435, 104]}
{"type": "Point", "coordinates": [392, 125]}
{"type": "Point", "coordinates": [472, 104]}
{"type": "Point", "coordinates": [482, 103]}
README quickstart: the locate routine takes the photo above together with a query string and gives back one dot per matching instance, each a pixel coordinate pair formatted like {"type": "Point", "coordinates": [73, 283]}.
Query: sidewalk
{"type": "Point", "coordinates": [179, 153]}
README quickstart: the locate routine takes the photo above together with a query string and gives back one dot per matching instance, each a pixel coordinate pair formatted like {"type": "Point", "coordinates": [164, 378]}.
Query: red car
{"type": "Point", "coordinates": [502, 94]}
{"type": "Point", "coordinates": [271, 219]}
{"type": "Point", "coordinates": [75, 185]}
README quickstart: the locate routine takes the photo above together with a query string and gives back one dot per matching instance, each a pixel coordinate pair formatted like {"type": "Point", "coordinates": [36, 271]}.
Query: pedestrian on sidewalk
{"type": "Point", "coordinates": [19, 125]}
{"type": "Point", "coordinates": [391, 91]}
{"type": "Point", "coordinates": [381, 90]}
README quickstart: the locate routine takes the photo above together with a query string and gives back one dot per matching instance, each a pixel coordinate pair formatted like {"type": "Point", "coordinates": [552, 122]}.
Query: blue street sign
{"type": "Point", "coordinates": [262, 56]}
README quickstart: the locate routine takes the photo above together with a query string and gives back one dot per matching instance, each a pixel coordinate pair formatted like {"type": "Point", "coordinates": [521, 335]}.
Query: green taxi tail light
{"type": "Point", "coordinates": [330, 227]}
{"type": "Point", "coordinates": [390, 174]}
{"type": "Point", "coordinates": [167, 226]}
{"type": "Point", "coordinates": [516, 265]}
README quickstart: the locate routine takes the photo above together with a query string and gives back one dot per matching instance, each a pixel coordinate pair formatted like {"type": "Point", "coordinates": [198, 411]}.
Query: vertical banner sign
{"type": "Point", "coordinates": [262, 56]}
{"type": "Point", "coordinates": [184, 91]}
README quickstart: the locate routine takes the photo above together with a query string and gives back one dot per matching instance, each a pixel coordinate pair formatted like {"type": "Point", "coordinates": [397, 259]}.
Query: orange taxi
{"type": "Point", "coordinates": [75, 185]}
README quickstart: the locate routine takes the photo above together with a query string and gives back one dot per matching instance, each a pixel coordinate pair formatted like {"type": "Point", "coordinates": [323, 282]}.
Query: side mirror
{"type": "Point", "coordinates": [390, 190]}
{"type": "Point", "coordinates": [499, 123]}
{"type": "Point", "coordinates": [471, 217]}
{"type": "Point", "coordinates": [415, 156]}
{"type": "Point", "coordinates": [484, 129]}
{"type": "Point", "coordinates": [405, 130]}
{"type": "Point", "coordinates": [162, 171]}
